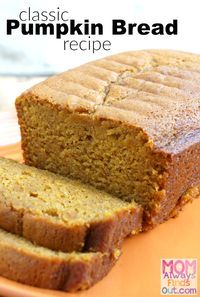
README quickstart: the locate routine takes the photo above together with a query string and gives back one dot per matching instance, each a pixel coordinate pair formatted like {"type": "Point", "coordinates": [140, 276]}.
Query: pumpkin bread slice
{"type": "Point", "coordinates": [24, 262]}
{"type": "Point", "coordinates": [60, 213]}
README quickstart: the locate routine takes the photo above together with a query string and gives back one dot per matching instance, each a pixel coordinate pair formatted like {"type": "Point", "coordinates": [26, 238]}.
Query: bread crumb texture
{"type": "Point", "coordinates": [60, 213]}
{"type": "Point", "coordinates": [128, 124]}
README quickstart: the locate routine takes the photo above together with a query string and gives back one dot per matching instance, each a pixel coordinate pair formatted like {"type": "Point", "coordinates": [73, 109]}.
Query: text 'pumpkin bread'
{"type": "Point", "coordinates": [128, 124]}
{"type": "Point", "coordinates": [30, 264]}
{"type": "Point", "coordinates": [62, 214]}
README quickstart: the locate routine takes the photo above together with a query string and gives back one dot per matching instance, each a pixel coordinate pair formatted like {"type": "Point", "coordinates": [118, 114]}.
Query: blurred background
{"type": "Point", "coordinates": [27, 60]}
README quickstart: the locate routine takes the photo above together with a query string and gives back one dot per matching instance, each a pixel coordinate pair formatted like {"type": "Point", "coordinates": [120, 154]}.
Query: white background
{"type": "Point", "coordinates": [45, 54]}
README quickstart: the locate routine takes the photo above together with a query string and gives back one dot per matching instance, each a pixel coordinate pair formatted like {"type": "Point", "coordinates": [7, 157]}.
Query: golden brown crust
{"type": "Point", "coordinates": [155, 90]}
{"type": "Point", "coordinates": [188, 197]}
{"type": "Point", "coordinates": [124, 224]}
{"type": "Point", "coordinates": [52, 272]}
{"type": "Point", "coordinates": [101, 236]}
{"type": "Point", "coordinates": [183, 178]}
{"type": "Point", "coordinates": [172, 210]}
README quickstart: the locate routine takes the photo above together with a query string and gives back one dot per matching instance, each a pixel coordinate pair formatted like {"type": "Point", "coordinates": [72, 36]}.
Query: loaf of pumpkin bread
{"type": "Point", "coordinates": [24, 262]}
{"type": "Point", "coordinates": [62, 214]}
{"type": "Point", "coordinates": [128, 124]}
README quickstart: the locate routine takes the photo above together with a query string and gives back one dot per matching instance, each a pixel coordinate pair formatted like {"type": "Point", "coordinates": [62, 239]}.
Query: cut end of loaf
{"type": "Point", "coordinates": [128, 124]}
{"type": "Point", "coordinates": [116, 158]}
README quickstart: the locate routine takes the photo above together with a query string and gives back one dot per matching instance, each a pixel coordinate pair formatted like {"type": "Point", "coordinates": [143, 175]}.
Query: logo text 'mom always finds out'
{"type": "Point", "coordinates": [179, 266]}
{"type": "Point", "coordinates": [178, 276]}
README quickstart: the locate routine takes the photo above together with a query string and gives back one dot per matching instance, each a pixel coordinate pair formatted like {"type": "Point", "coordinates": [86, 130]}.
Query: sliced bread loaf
{"type": "Point", "coordinates": [128, 124]}
{"type": "Point", "coordinates": [22, 261]}
{"type": "Point", "coordinates": [60, 213]}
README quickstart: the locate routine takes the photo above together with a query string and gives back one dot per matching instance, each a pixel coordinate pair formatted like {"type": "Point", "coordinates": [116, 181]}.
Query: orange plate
{"type": "Point", "coordinates": [137, 273]}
